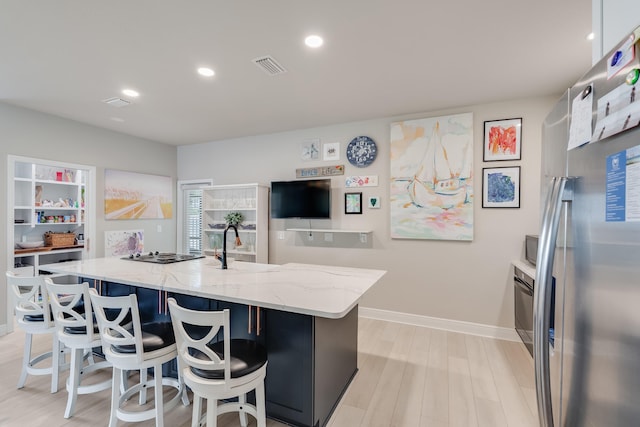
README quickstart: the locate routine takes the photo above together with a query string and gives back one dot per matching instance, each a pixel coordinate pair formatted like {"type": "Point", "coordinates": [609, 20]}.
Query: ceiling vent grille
{"type": "Point", "coordinates": [269, 65]}
{"type": "Point", "coordinates": [116, 102]}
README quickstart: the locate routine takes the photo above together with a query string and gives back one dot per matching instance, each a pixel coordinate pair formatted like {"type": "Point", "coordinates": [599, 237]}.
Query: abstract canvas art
{"type": "Point", "coordinates": [431, 193]}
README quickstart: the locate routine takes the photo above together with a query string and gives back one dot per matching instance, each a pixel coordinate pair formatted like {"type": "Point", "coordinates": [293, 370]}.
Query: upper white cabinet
{"type": "Point", "coordinates": [249, 200]}
{"type": "Point", "coordinates": [47, 197]}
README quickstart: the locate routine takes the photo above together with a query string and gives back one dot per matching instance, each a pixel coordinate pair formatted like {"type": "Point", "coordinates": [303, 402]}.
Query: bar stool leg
{"type": "Point", "coordinates": [242, 400]}
{"type": "Point", "coordinates": [197, 411]}
{"type": "Point", "coordinates": [261, 407]}
{"type": "Point", "coordinates": [212, 412]}
{"type": "Point", "coordinates": [56, 352]}
{"type": "Point", "coordinates": [142, 397]}
{"type": "Point", "coordinates": [115, 396]}
{"type": "Point", "coordinates": [77, 358]}
{"type": "Point", "coordinates": [159, 403]}
{"type": "Point", "coordinates": [26, 359]}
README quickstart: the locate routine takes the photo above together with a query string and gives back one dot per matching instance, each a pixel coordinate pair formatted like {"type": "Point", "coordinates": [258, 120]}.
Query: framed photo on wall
{"type": "Point", "coordinates": [501, 187]}
{"type": "Point", "coordinates": [502, 140]}
{"type": "Point", "coordinates": [353, 203]}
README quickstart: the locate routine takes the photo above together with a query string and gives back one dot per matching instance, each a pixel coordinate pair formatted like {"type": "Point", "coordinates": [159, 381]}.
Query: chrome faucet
{"type": "Point", "coordinates": [223, 258]}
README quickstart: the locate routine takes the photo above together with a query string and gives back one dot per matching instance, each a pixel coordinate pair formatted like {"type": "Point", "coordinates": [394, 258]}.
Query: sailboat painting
{"type": "Point", "coordinates": [431, 173]}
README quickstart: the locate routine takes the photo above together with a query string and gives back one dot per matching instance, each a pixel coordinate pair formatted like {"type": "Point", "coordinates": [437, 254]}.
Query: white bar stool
{"type": "Point", "coordinates": [217, 370]}
{"type": "Point", "coordinates": [73, 317]}
{"type": "Point", "coordinates": [33, 315]}
{"type": "Point", "coordinates": [135, 348]}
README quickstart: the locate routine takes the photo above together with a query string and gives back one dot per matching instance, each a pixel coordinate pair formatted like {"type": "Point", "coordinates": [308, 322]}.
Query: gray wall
{"type": "Point", "coordinates": [31, 134]}
{"type": "Point", "coordinates": [465, 281]}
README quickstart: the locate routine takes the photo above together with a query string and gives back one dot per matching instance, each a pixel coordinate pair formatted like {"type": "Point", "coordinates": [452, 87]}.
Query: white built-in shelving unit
{"type": "Point", "coordinates": [252, 201]}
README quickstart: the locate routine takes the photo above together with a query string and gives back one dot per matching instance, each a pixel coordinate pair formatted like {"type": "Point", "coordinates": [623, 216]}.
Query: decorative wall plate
{"type": "Point", "coordinates": [361, 151]}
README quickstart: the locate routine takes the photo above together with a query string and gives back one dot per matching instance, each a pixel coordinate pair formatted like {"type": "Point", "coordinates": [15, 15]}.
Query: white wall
{"type": "Point", "coordinates": [466, 281]}
{"type": "Point", "coordinates": [31, 134]}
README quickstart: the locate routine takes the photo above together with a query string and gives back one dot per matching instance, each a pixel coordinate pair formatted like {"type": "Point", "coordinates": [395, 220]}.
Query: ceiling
{"type": "Point", "coordinates": [380, 58]}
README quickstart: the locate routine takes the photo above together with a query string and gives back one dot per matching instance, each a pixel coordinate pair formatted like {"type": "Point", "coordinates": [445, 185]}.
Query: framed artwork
{"type": "Point", "coordinates": [502, 140]}
{"type": "Point", "coordinates": [353, 203]}
{"type": "Point", "coordinates": [374, 202]}
{"type": "Point", "coordinates": [431, 186]}
{"type": "Point", "coordinates": [331, 151]}
{"type": "Point", "coordinates": [131, 195]}
{"type": "Point", "coordinates": [123, 243]}
{"type": "Point", "coordinates": [310, 149]}
{"type": "Point", "coordinates": [501, 187]}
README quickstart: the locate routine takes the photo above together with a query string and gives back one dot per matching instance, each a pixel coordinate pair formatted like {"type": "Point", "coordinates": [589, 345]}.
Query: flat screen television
{"type": "Point", "coordinates": [307, 199]}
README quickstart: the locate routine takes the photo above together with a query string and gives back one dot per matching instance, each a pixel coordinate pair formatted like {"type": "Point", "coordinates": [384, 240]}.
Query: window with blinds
{"type": "Point", "coordinates": [193, 220]}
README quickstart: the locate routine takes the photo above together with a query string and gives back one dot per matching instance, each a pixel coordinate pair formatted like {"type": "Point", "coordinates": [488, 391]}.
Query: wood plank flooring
{"type": "Point", "coordinates": [408, 376]}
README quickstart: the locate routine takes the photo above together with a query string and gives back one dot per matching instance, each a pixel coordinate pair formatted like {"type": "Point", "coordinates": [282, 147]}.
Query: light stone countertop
{"type": "Point", "coordinates": [325, 291]}
{"type": "Point", "coordinates": [528, 269]}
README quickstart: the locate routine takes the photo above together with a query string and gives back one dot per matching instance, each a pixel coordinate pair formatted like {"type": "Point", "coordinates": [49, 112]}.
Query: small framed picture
{"type": "Point", "coordinates": [374, 202]}
{"type": "Point", "coordinates": [502, 140]}
{"type": "Point", "coordinates": [353, 203]}
{"type": "Point", "coordinates": [501, 187]}
{"type": "Point", "coordinates": [331, 151]}
{"type": "Point", "coordinates": [310, 149]}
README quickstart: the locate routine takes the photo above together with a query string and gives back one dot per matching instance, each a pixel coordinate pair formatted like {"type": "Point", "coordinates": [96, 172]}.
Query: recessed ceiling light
{"type": "Point", "coordinates": [130, 92]}
{"type": "Point", "coordinates": [207, 72]}
{"type": "Point", "coordinates": [591, 36]}
{"type": "Point", "coordinates": [313, 41]}
{"type": "Point", "coordinates": [117, 119]}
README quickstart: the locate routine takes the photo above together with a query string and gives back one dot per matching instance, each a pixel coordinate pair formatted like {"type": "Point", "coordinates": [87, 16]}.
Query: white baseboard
{"type": "Point", "coordinates": [3, 330]}
{"type": "Point", "coordinates": [438, 323]}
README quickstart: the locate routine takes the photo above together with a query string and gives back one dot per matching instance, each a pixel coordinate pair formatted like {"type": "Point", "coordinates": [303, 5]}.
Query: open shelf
{"type": "Point", "coordinates": [329, 230]}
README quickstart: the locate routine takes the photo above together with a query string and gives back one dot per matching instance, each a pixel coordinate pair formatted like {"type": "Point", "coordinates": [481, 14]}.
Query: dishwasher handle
{"type": "Point", "coordinates": [523, 286]}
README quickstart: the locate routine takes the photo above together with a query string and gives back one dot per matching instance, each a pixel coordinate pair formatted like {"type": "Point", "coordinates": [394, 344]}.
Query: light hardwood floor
{"type": "Point", "coordinates": [408, 376]}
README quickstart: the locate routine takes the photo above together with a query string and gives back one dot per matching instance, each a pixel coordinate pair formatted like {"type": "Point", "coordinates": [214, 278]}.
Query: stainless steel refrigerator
{"type": "Point", "coordinates": [587, 337]}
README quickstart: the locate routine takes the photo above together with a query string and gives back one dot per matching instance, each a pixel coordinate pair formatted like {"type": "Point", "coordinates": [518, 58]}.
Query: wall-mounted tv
{"type": "Point", "coordinates": [309, 199]}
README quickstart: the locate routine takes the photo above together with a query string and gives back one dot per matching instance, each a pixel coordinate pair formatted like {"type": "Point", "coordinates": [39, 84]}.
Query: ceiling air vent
{"type": "Point", "coordinates": [116, 102]}
{"type": "Point", "coordinates": [269, 65]}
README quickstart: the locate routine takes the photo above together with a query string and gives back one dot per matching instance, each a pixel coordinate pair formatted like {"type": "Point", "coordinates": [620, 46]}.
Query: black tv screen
{"type": "Point", "coordinates": [309, 199]}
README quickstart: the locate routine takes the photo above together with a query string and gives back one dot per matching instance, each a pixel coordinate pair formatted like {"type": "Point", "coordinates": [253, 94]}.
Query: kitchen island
{"type": "Point", "coordinates": [306, 316]}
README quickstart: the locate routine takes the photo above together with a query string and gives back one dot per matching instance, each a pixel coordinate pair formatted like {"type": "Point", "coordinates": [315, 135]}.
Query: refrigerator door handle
{"type": "Point", "coordinates": [542, 296]}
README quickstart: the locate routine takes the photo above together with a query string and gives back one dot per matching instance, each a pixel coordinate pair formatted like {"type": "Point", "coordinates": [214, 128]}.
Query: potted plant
{"type": "Point", "coordinates": [234, 218]}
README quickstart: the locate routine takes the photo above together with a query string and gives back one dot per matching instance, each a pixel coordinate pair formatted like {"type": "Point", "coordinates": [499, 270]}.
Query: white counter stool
{"type": "Point", "coordinates": [218, 370]}
{"type": "Point", "coordinates": [139, 347]}
{"type": "Point", "coordinates": [33, 315]}
{"type": "Point", "coordinates": [73, 317]}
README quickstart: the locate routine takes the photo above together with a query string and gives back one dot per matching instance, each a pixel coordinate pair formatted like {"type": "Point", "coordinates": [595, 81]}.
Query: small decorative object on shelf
{"type": "Point", "coordinates": [59, 239]}
{"type": "Point", "coordinates": [234, 218]}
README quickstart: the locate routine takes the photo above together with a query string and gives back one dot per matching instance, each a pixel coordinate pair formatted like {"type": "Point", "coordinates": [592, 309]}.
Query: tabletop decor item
{"type": "Point", "coordinates": [502, 139]}
{"type": "Point", "coordinates": [361, 151]}
{"type": "Point", "coordinates": [234, 218]}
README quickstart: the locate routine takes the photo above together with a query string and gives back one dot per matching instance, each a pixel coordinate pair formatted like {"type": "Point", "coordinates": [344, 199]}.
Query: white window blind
{"type": "Point", "coordinates": [193, 220]}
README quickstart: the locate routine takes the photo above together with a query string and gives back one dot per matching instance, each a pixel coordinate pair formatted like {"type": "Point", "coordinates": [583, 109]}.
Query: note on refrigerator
{"type": "Point", "coordinates": [581, 110]}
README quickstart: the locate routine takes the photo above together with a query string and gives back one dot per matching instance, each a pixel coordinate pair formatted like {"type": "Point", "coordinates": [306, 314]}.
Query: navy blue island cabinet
{"type": "Point", "coordinates": [312, 359]}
